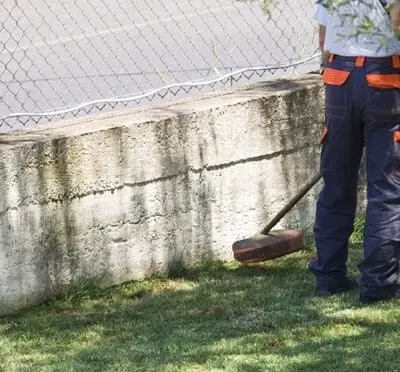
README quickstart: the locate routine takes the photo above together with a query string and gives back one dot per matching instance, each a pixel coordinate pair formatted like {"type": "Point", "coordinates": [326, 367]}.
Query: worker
{"type": "Point", "coordinates": [362, 110]}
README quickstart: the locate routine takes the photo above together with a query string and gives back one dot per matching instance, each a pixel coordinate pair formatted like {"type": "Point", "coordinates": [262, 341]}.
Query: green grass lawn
{"type": "Point", "coordinates": [218, 317]}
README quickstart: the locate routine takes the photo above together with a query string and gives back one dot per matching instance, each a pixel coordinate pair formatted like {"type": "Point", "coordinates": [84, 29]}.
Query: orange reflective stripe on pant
{"type": "Point", "coordinates": [396, 136]}
{"type": "Point", "coordinates": [383, 81]}
{"type": "Point", "coordinates": [396, 61]}
{"type": "Point", "coordinates": [332, 76]}
{"type": "Point", "coordinates": [324, 134]}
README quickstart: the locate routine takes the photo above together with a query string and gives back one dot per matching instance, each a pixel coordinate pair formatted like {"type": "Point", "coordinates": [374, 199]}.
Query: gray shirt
{"type": "Point", "coordinates": [358, 28]}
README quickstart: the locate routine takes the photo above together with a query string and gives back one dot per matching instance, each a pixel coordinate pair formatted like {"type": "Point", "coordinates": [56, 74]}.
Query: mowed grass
{"type": "Point", "coordinates": [216, 317]}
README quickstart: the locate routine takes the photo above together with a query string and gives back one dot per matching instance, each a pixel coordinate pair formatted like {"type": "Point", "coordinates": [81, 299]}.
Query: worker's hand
{"type": "Point", "coordinates": [323, 61]}
{"type": "Point", "coordinates": [395, 18]}
{"type": "Point", "coordinates": [324, 55]}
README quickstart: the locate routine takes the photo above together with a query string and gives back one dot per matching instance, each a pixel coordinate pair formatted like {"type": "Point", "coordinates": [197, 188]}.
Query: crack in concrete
{"type": "Point", "coordinates": [205, 168]}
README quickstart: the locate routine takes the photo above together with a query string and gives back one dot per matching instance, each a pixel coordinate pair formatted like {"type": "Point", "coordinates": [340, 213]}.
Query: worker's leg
{"type": "Point", "coordinates": [340, 161]}
{"type": "Point", "coordinates": [380, 266]}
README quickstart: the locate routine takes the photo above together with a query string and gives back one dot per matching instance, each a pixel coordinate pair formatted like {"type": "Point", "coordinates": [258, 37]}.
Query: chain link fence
{"type": "Point", "coordinates": [65, 58]}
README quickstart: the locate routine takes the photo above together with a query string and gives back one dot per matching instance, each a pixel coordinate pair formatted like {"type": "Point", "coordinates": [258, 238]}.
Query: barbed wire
{"type": "Point", "coordinates": [140, 96]}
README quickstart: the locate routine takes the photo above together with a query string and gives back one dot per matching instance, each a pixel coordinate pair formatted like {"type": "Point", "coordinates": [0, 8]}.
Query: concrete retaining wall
{"type": "Point", "coordinates": [125, 195]}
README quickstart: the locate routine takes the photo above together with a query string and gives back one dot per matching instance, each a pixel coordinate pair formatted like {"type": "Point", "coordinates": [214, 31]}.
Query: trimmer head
{"type": "Point", "coordinates": [267, 247]}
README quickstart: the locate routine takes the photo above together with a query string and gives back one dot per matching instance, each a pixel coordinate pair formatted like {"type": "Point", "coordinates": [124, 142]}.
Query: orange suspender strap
{"type": "Point", "coordinates": [360, 61]}
{"type": "Point", "coordinates": [396, 61]}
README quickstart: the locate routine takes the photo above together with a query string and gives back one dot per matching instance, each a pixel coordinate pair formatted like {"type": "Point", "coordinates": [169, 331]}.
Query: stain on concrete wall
{"type": "Point", "coordinates": [129, 194]}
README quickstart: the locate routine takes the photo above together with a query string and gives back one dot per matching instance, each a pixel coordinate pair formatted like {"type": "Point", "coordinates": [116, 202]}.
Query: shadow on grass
{"type": "Point", "coordinates": [221, 316]}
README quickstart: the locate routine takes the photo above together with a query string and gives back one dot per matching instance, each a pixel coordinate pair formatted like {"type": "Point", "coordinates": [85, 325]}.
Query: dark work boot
{"type": "Point", "coordinates": [391, 295]}
{"type": "Point", "coordinates": [344, 285]}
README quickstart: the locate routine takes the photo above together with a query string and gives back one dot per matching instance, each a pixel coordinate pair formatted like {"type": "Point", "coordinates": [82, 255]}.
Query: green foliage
{"type": "Point", "coordinates": [333, 4]}
{"type": "Point", "coordinates": [357, 235]}
{"type": "Point", "coordinates": [221, 316]}
{"type": "Point", "coordinates": [265, 4]}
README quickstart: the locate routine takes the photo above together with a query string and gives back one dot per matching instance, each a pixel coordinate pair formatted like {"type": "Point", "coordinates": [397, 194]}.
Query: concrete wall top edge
{"type": "Point", "coordinates": [145, 114]}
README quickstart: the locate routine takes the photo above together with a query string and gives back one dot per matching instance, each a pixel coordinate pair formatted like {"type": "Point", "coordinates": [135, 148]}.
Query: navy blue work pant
{"type": "Point", "coordinates": [362, 109]}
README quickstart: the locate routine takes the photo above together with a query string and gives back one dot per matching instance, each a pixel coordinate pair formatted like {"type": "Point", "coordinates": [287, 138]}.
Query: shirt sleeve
{"type": "Point", "coordinates": [321, 14]}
